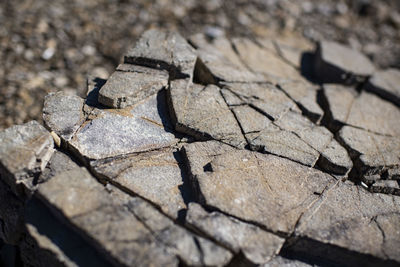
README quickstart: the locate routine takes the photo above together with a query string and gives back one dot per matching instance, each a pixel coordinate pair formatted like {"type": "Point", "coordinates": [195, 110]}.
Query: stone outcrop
{"type": "Point", "coordinates": [210, 152]}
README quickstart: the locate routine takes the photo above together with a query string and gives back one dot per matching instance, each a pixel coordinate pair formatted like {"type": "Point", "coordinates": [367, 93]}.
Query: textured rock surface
{"type": "Point", "coordinates": [386, 83]}
{"type": "Point", "coordinates": [131, 84]}
{"type": "Point", "coordinates": [24, 153]}
{"type": "Point", "coordinates": [336, 63]}
{"type": "Point", "coordinates": [217, 153]}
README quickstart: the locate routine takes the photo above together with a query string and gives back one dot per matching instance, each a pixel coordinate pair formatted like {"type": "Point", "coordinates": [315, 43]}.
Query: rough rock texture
{"type": "Point", "coordinates": [336, 63]}
{"type": "Point", "coordinates": [208, 152]}
{"type": "Point", "coordinates": [386, 84]}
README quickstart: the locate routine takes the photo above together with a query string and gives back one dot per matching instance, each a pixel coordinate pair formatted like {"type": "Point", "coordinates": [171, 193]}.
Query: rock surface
{"type": "Point", "coordinates": [386, 84]}
{"type": "Point", "coordinates": [213, 153]}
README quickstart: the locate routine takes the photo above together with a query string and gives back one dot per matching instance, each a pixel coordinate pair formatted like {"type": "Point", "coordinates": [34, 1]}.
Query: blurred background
{"type": "Point", "coordinates": [54, 45]}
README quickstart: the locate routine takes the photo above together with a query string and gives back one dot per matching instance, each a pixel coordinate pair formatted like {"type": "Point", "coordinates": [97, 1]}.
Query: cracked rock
{"type": "Point", "coordinates": [113, 132]}
{"type": "Point", "coordinates": [374, 153]}
{"type": "Point", "coordinates": [386, 187]}
{"type": "Point", "coordinates": [251, 187]}
{"type": "Point", "coordinates": [264, 61]}
{"type": "Point", "coordinates": [279, 261]}
{"type": "Point", "coordinates": [349, 217]}
{"type": "Point", "coordinates": [163, 50]}
{"type": "Point", "coordinates": [385, 83]}
{"type": "Point", "coordinates": [196, 110]}
{"type": "Point", "coordinates": [63, 114]}
{"type": "Point", "coordinates": [336, 63]}
{"type": "Point", "coordinates": [192, 249]}
{"type": "Point", "coordinates": [154, 175]}
{"type": "Point", "coordinates": [24, 153]}
{"type": "Point", "coordinates": [257, 245]}
{"type": "Point", "coordinates": [130, 84]}
{"type": "Point", "coordinates": [219, 62]}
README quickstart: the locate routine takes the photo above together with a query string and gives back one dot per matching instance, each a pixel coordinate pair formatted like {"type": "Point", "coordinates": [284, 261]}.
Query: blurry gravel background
{"type": "Point", "coordinates": [54, 45]}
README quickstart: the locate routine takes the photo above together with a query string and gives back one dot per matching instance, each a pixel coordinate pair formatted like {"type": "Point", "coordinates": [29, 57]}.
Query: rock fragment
{"type": "Point", "coordinates": [163, 50]}
{"type": "Point", "coordinates": [257, 245]}
{"type": "Point", "coordinates": [113, 132]}
{"type": "Point", "coordinates": [63, 114]}
{"type": "Point", "coordinates": [192, 249]}
{"type": "Point", "coordinates": [219, 62]}
{"type": "Point", "coordinates": [130, 84]}
{"type": "Point", "coordinates": [351, 218]}
{"type": "Point", "coordinates": [24, 153]}
{"type": "Point", "coordinates": [251, 187]}
{"type": "Point", "coordinates": [201, 111]}
{"type": "Point", "coordinates": [386, 84]}
{"type": "Point", "coordinates": [154, 175]}
{"type": "Point", "coordinates": [336, 63]}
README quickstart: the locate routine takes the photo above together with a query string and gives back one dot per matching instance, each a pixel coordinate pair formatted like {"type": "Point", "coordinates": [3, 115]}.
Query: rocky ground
{"type": "Point", "coordinates": [50, 46]}
{"type": "Point", "coordinates": [211, 151]}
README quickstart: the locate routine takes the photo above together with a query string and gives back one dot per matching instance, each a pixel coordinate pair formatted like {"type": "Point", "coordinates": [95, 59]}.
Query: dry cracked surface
{"type": "Point", "coordinates": [211, 152]}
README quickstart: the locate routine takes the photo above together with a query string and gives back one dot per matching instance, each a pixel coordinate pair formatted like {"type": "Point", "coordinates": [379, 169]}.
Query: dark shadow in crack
{"type": "Point", "coordinates": [307, 66]}
{"type": "Point", "coordinates": [92, 96]}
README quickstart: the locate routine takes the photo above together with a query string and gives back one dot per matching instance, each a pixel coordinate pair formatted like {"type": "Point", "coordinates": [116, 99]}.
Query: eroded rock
{"type": "Point", "coordinates": [24, 152]}
{"type": "Point", "coordinates": [336, 63]}
{"type": "Point", "coordinates": [196, 110]}
{"type": "Point", "coordinates": [249, 185]}
{"type": "Point", "coordinates": [385, 83]}
{"type": "Point", "coordinates": [130, 84]}
{"type": "Point", "coordinates": [163, 50]}
{"type": "Point", "coordinates": [257, 245]}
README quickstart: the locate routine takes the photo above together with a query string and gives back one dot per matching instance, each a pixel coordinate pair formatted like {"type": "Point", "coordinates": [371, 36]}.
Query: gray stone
{"type": "Point", "coordinates": [264, 61]}
{"type": "Point", "coordinates": [257, 245]}
{"type": "Point", "coordinates": [113, 132]}
{"type": "Point", "coordinates": [263, 96]}
{"type": "Point", "coordinates": [197, 110]}
{"type": "Point", "coordinates": [24, 153]}
{"type": "Point", "coordinates": [374, 153]}
{"type": "Point", "coordinates": [386, 84]}
{"type": "Point", "coordinates": [336, 63]}
{"type": "Point", "coordinates": [219, 62]}
{"type": "Point", "coordinates": [191, 249]}
{"type": "Point", "coordinates": [130, 86]}
{"type": "Point", "coordinates": [154, 175]}
{"type": "Point", "coordinates": [305, 95]}
{"type": "Point", "coordinates": [63, 114]}
{"type": "Point", "coordinates": [383, 118]}
{"type": "Point", "coordinates": [163, 50]}
{"type": "Point", "coordinates": [250, 186]}
{"type": "Point", "coordinates": [354, 219]}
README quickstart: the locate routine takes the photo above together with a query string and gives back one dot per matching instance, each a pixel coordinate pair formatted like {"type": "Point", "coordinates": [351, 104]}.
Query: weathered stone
{"type": "Point", "coordinates": [163, 50]}
{"type": "Point", "coordinates": [321, 139]}
{"type": "Point", "coordinates": [373, 153]}
{"type": "Point", "coordinates": [231, 98]}
{"type": "Point", "coordinates": [264, 61]}
{"type": "Point", "coordinates": [154, 175]}
{"type": "Point", "coordinates": [83, 202]}
{"type": "Point", "coordinates": [219, 62]}
{"type": "Point", "coordinates": [250, 186]}
{"type": "Point", "coordinates": [305, 95]}
{"type": "Point", "coordinates": [337, 103]}
{"type": "Point", "coordinates": [351, 218]}
{"type": "Point", "coordinates": [191, 249]}
{"type": "Point", "coordinates": [197, 110]}
{"type": "Point", "coordinates": [386, 83]}
{"type": "Point", "coordinates": [109, 133]}
{"type": "Point", "coordinates": [264, 96]}
{"type": "Point", "coordinates": [257, 245]}
{"type": "Point", "coordinates": [336, 63]}
{"type": "Point", "coordinates": [63, 114]}
{"type": "Point", "coordinates": [24, 152]}
{"type": "Point", "coordinates": [130, 86]}
{"type": "Point", "coordinates": [383, 118]}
